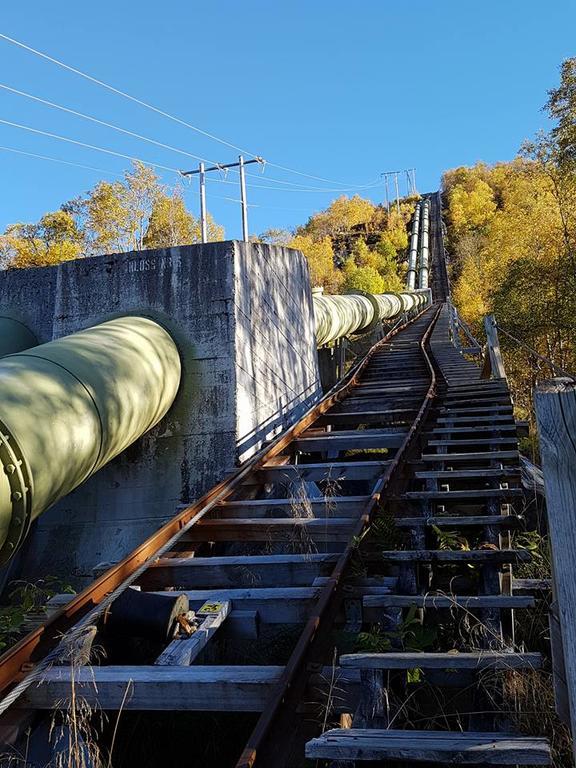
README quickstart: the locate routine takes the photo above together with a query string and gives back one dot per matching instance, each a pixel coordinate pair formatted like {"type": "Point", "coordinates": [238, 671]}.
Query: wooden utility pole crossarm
{"type": "Point", "coordinates": [555, 402]}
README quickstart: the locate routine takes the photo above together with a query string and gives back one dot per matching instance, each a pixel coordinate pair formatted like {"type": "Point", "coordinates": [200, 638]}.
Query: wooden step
{"type": "Point", "coordinates": [356, 440]}
{"type": "Point", "coordinates": [364, 417]}
{"type": "Point", "coordinates": [466, 412]}
{"type": "Point", "coordinates": [476, 419]}
{"type": "Point", "coordinates": [463, 474]}
{"type": "Point", "coordinates": [160, 688]}
{"type": "Point", "coordinates": [300, 508]}
{"type": "Point", "coordinates": [443, 747]}
{"type": "Point", "coordinates": [333, 470]}
{"type": "Point", "coordinates": [497, 398]}
{"type": "Point", "coordinates": [476, 441]}
{"type": "Point", "coordinates": [373, 605]}
{"type": "Point", "coordinates": [238, 571]}
{"type": "Point", "coordinates": [320, 529]}
{"type": "Point", "coordinates": [472, 456]}
{"type": "Point", "coordinates": [256, 508]}
{"type": "Point", "coordinates": [478, 387]}
{"type": "Point", "coordinates": [361, 393]}
{"type": "Point", "coordinates": [458, 521]}
{"type": "Point", "coordinates": [484, 493]}
{"type": "Point", "coordinates": [454, 660]}
{"type": "Point", "coordinates": [472, 428]}
{"type": "Point", "coordinates": [457, 556]}
{"type": "Point", "coordinates": [531, 586]}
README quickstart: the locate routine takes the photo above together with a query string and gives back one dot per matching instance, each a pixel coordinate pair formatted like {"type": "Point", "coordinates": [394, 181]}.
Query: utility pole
{"type": "Point", "coordinates": [397, 192]}
{"type": "Point", "coordinates": [395, 174]}
{"type": "Point", "coordinates": [411, 179]}
{"type": "Point", "coordinates": [202, 171]}
{"type": "Point", "coordinates": [243, 199]}
{"type": "Point", "coordinates": [411, 185]}
{"type": "Point", "coordinates": [387, 196]}
{"type": "Point", "coordinates": [203, 218]}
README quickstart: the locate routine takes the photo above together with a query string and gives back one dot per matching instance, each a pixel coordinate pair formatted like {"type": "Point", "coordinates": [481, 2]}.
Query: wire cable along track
{"type": "Point", "coordinates": [412, 437]}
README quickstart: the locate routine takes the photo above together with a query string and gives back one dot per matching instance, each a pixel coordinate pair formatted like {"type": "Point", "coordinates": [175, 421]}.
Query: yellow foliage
{"type": "Point", "coordinates": [341, 216]}
{"type": "Point", "coordinates": [471, 204]}
{"type": "Point", "coordinates": [320, 257]}
{"type": "Point", "coordinates": [511, 253]}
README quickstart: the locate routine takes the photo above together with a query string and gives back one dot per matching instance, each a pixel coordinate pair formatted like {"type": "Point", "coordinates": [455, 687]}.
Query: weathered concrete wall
{"type": "Point", "coordinates": [241, 315]}
{"type": "Point", "coordinates": [273, 308]}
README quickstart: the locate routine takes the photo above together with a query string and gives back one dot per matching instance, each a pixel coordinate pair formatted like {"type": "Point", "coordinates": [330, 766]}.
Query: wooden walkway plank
{"type": "Point", "coordinates": [356, 440]}
{"type": "Point", "coordinates": [253, 508]}
{"type": "Point", "coordinates": [478, 660]}
{"type": "Point", "coordinates": [372, 605]}
{"type": "Point", "coordinates": [458, 555]}
{"type": "Point", "coordinates": [442, 747]}
{"type": "Point", "coordinates": [272, 529]}
{"type": "Point", "coordinates": [474, 456]}
{"type": "Point", "coordinates": [465, 474]}
{"type": "Point", "coordinates": [168, 688]}
{"type": "Point", "coordinates": [458, 521]}
{"type": "Point", "coordinates": [331, 470]}
{"type": "Point", "coordinates": [284, 570]}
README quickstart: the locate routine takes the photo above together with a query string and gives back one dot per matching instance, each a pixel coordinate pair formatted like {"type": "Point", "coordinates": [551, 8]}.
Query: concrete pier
{"type": "Point", "coordinates": [241, 315]}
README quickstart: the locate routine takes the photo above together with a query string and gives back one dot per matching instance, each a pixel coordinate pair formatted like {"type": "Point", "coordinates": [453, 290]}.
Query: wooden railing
{"type": "Point", "coordinates": [555, 402]}
{"type": "Point", "coordinates": [493, 367]}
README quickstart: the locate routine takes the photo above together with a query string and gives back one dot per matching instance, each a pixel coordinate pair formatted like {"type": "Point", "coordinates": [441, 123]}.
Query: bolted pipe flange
{"type": "Point", "coordinates": [375, 318]}
{"type": "Point", "coordinates": [16, 469]}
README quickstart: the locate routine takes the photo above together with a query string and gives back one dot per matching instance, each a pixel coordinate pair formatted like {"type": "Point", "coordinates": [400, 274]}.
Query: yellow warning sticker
{"type": "Point", "coordinates": [211, 608]}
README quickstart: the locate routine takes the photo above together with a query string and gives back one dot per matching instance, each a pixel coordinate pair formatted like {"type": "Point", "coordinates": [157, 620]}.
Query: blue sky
{"type": "Point", "coordinates": [338, 90]}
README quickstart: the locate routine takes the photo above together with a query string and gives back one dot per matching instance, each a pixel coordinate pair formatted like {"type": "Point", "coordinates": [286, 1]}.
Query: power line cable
{"type": "Point", "coordinates": [301, 189]}
{"type": "Point", "coordinates": [100, 149]}
{"type": "Point", "coordinates": [58, 160]}
{"type": "Point", "coordinates": [115, 173]}
{"type": "Point", "coordinates": [106, 124]}
{"type": "Point", "coordinates": [159, 111]}
{"type": "Point", "coordinates": [86, 145]}
{"type": "Point", "coordinates": [100, 122]}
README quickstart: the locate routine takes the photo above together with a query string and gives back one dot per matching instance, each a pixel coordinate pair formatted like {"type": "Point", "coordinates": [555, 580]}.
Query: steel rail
{"type": "Point", "coordinates": [295, 663]}
{"type": "Point", "coordinates": [25, 662]}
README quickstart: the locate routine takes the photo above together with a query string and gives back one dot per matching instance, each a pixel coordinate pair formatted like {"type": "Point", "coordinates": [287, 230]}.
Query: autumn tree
{"type": "Point", "coordinates": [113, 217]}
{"type": "Point", "coordinates": [170, 223]}
{"type": "Point", "coordinates": [512, 238]}
{"type": "Point", "coordinates": [341, 216]}
{"type": "Point", "coordinates": [320, 257]}
{"type": "Point", "coordinates": [54, 238]}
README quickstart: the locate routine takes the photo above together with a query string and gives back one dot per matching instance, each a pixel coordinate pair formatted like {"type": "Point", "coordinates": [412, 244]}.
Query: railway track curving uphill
{"type": "Point", "coordinates": [413, 442]}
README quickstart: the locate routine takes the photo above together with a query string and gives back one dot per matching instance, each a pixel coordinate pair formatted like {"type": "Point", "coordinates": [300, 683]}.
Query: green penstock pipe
{"type": "Point", "coordinates": [337, 316]}
{"type": "Point", "coordinates": [14, 337]}
{"type": "Point", "coordinates": [70, 406]}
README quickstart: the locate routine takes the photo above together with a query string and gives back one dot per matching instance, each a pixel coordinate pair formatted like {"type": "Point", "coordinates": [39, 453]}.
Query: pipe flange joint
{"type": "Point", "coordinates": [376, 308]}
{"type": "Point", "coordinates": [17, 471]}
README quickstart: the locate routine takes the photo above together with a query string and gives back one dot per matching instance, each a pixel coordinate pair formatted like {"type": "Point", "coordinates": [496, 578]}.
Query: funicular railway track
{"type": "Point", "coordinates": [412, 428]}
{"type": "Point", "coordinates": [268, 547]}
{"type": "Point", "coordinates": [460, 503]}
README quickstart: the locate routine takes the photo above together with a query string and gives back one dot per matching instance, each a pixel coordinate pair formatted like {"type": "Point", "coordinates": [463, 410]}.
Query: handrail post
{"type": "Point", "coordinates": [496, 367]}
{"type": "Point", "coordinates": [555, 402]}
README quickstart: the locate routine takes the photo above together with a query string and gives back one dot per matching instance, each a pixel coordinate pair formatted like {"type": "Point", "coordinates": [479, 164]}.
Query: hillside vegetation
{"type": "Point", "coordinates": [512, 243]}
{"type": "Point", "coordinates": [113, 217]}
{"type": "Point", "coordinates": [353, 245]}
